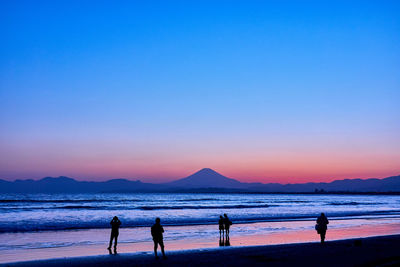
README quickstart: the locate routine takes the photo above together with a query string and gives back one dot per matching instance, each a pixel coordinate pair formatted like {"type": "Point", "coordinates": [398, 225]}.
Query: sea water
{"type": "Point", "coordinates": [41, 212]}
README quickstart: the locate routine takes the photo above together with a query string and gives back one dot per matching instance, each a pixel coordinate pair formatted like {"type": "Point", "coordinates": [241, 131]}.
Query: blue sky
{"type": "Point", "coordinates": [260, 90]}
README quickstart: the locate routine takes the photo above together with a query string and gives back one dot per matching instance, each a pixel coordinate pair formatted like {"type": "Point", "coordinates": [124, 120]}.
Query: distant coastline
{"type": "Point", "coordinates": [203, 181]}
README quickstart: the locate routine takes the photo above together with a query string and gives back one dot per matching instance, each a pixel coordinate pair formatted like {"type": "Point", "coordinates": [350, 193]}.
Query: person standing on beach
{"type": "Point", "coordinates": [157, 233]}
{"type": "Point", "coordinates": [227, 224]}
{"type": "Point", "coordinates": [221, 226]}
{"type": "Point", "coordinates": [322, 226]}
{"type": "Point", "coordinates": [115, 223]}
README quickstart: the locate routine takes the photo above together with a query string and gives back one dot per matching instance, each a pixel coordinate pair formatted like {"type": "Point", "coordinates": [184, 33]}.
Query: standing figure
{"type": "Point", "coordinates": [322, 226]}
{"type": "Point", "coordinates": [221, 226]}
{"type": "Point", "coordinates": [115, 223]}
{"type": "Point", "coordinates": [157, 233]}
{"type": "Point", "coordinates": [227, 224]}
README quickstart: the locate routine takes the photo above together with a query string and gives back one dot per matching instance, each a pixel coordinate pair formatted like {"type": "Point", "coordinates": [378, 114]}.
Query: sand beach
{"type": "Point", "coordinates": [372, 251]}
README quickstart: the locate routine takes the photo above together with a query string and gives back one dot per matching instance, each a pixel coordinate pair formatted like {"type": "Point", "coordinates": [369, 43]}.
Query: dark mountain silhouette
{"type": "Point", "coordinates": [68, 185]}
{"type": "Point", "coordinates": [205, 180]}
{"type": "Point", "coordinates": [390, 184]}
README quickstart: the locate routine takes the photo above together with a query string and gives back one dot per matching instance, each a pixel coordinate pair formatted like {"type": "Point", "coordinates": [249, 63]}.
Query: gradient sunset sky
{"type": "Point", "coordinates": [269, 91]}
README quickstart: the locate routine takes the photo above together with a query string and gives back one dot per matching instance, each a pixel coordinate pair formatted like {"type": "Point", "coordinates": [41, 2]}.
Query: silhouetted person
{"type": "Point", "coordinates": [221, 223]}
{"type": "Point", "coordinates": [115, 223]}
{"type": "Point", "coordinates": [157, 233]}
{"type": "Point", "coordinates": [227, 225]}
{"type": "Point", "coordinates": [322, 226]}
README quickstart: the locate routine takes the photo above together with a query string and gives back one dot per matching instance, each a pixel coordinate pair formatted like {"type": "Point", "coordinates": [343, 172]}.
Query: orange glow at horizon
{"type": "Point", "coordinates": [273, 173]}
{"type": "Point", "coordinates": [290, 164]}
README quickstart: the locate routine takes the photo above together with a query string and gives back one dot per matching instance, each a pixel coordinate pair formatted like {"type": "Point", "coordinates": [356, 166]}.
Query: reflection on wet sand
{"type": "Point", "coordinates": [224, 242]}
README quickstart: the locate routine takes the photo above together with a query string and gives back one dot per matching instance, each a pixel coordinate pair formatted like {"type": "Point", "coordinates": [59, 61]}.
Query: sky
{"type": "Point", "coordinates": [266, 91]}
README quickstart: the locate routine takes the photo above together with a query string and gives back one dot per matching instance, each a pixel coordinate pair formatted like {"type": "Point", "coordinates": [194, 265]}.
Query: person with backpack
{"type": "Point", "coordinates": [322, 226]}
{"type": "Point", "coordinates": [227, 225]}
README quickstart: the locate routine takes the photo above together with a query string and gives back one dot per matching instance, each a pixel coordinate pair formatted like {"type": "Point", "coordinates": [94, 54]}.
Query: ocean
{"type": "Point", "coordinates": [37, 221]}
{"type": "Point", "coordinates": [42, 212]}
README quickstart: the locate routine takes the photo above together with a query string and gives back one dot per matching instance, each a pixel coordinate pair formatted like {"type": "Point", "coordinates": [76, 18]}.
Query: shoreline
{"type": "Point", "coordinates": [369, 251]}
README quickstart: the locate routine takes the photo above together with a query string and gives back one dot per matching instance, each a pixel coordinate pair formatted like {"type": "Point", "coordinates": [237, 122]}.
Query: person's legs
{"type": "Point", "coordinates": [323, 237]}
{"type": "Point", "coordinates": [115, 241]}
{"type": "Point", "coordinates": [155, 248]}
{"type": "Point", "coordinates": [162, 248]}
{"type": "Point", "coordinates": [111, 238]}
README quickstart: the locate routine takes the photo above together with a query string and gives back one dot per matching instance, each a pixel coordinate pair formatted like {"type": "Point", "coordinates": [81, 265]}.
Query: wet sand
{"type": "Point", "coordinates": [241, 235]}
{"type": "Point", "coordinates": [372, 251]}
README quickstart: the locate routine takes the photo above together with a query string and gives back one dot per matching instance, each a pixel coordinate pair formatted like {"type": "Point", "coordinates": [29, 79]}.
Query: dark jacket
{"type": "Point", "coordinates": [157, 232]}
{"type": "Point", "coordinates": [322, 223]}
{"type": "Point", "coordinates": [227, 223]}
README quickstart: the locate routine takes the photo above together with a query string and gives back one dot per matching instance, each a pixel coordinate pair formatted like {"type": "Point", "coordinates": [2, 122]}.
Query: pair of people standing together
{"type": "Point", "coordinates": [224, 225]}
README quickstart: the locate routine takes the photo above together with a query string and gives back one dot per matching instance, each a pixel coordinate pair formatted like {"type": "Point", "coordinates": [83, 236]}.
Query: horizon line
{"type": "Point", "coordinates": [175, 179]}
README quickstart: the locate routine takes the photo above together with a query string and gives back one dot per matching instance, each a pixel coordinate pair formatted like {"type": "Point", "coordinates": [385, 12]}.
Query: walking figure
{"type": "Point", "coordinates": [227, 225]}
{"type": "Point", "coordinates": [322, 226]}
{"type": "Point", "coordinates": [157, 233]}
{"type": "Point", "coordinates": [115, 223]}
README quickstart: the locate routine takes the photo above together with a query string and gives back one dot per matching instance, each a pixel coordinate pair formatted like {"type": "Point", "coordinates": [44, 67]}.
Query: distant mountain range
{"type": "Point", "coordinates": [205, 180]}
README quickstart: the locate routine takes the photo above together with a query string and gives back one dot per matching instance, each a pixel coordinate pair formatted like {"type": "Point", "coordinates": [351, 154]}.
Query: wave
{"type": "Point", "coordinates": [352, 203]}
{"type": "Point", "coordinates": [77, 207]}
{"type": "Point", "coordinates": [203, 207]}
{"type": "Point", "coordinates": [119, 207]}
{"type": "Point", "coordinates": [51, 225]}
{"type": "Point", "coordinates": [66, 200]}
{"type": "Point", "coordinates": [278, 201]}
{"type": "Point", "coordinates": [22, 201]}
{"type": "Point", "coordinates": [291, 201]}
{"type": "Point", "coordinates": [200, 199]}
